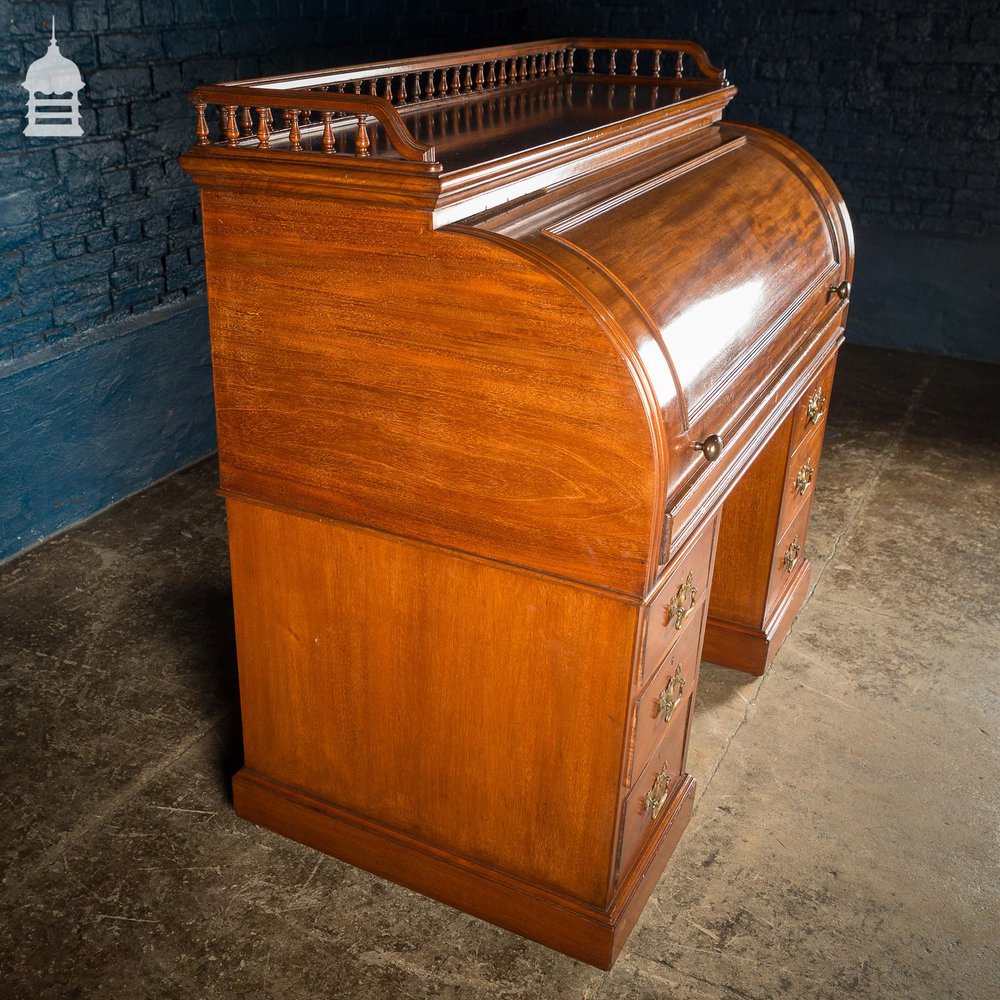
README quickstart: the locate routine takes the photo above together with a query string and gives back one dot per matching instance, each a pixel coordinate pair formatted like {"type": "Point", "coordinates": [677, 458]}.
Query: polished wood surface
{"type": "Point", "coordinates": [521, 362]}
{"type": "Point", "coordinates": [427, 690]}
{"type": "Point", "coordinates": [762, 570]}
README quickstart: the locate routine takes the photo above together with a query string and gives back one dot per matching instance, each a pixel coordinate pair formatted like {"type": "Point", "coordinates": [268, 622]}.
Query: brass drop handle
{"type": "Point", "coordinates": [672, 695]}
{"type": "Point", "coordinates": [656, 797]}
{"type": "Point", "coordinates": [682, 604]}
{"type": "Point", "coordinates": [791, 556]}
{"type": "Point", "coordinates": [804, 478]}
{"type": "Point", "coordinates": [816, 406]}
{"type": "Point", "coordinates": [842, 291]}
{"type": "Point", "coordinates": [711, 447]}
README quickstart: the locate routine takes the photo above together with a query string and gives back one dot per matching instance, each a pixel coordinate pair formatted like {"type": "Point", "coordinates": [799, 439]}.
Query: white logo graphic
{"type": "Point", "coordinates": [55, 75]}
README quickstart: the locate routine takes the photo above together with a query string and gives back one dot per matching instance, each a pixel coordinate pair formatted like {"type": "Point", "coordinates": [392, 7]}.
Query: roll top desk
{"type": "Point", "coordinates": [522, 358]}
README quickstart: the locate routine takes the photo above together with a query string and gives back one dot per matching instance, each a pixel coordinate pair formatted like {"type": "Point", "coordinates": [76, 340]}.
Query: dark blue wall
{"type": "Point", "coordinates": [84, 424]}
{"type": "Point", "coordinates": [104, 384]}
{"type": "Point", "coordinates": [104, 377]}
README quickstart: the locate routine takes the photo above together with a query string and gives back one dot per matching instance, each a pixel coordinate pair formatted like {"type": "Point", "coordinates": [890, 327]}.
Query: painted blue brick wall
{"type": "Point", "coordinates": [105, 382]}
{"type": "Point", "coordinates": [105, 227]}
{"type": "Point", "coordinates": [101, 265]}
{"type": "Point", "coordinates": [85, 423]}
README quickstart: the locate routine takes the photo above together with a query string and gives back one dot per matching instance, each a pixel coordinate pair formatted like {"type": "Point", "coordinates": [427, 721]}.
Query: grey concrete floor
{"type": "Point", "coordinates": [846, 842]}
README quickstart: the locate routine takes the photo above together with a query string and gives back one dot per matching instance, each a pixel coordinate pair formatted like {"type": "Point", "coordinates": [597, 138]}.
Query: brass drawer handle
{"type": "Point", "coordinates": [792, 554]}
{"type": "Point", "coordinates": [656, 797]}
{"type": "Point", "coordinates": [804, 479]}
{"type": "Point", "coordinates": [682, 604]}
{"type": "Point", "coordinates": [671, 696]}
{"type": "Point", "coordinates": [711, 447]}
{"type": "Point", "coordinates": [816, 406]}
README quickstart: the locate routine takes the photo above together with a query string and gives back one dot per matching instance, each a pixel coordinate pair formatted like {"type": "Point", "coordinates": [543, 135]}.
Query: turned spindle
{"type": "Point", "coordinates": [656, 62]}
{"type": "Point", "coordinates": [590, 61]}
{"type": "Point", "coordinates": [246, 122]}
{"type": "Point", "coordinates": [633, 66]}
{"type": "Point", "coordinates": [362, 144]}
{"type": "Point", "coordinates": [401, 90]}
{"type": "Point", "coordinates": [679, 66]}
{"type": "Point", "coordinates": [467, 80]}
{"type": "Point", "coordinates": [263, 128]}
{"type": "Point", "coordinates": [294, 133]}
{"type": "Point", "coordinates": [456, 84]}
{"type": "Point", "coordinates": [328, 146]}
{"type": "Point", "coordinates": [612, 58]}
{"type": "Point", "coordinates": [503, 72]}
{"type": "Point", "coordinates": [232, 128]}
{"type": "Point", "coordinates": [201, 127]}
{"type": "Point", "coordinates": [480, 77]}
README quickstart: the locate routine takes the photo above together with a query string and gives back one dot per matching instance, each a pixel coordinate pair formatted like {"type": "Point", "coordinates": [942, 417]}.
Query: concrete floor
{"type": "Point", "coordinates": [846, 842]}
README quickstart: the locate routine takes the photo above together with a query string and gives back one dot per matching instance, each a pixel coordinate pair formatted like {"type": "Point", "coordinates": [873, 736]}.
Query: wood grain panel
{"type": "Point", "coordinates": [426, 383]}
{"type": "Point", "coordinates": [479, 708]}
{"type": "Point", "coordinates": [748, 533]}
{"type": "Point", "coordinates": [714, 255]}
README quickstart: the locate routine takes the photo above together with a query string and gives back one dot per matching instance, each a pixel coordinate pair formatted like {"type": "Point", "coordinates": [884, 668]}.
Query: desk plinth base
{"type": "Point", "coordinates": [580, 931]}
{"type": "Point", "coordinates": [751, 649]}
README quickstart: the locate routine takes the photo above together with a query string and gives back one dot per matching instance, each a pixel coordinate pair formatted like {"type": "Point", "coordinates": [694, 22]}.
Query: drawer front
{"type": "Point", "coordinates": [649, 800]}
{"type": "Point", "coordinates": [667, 698]}
{"type": "Point", "coordinates": [810, 410]}
{"type": "Point", "coordinates": [789, 554]}
{"type": "Point", "coordinates": [800, 476]}
{"type": "Point", "coordinates": [676, 605]}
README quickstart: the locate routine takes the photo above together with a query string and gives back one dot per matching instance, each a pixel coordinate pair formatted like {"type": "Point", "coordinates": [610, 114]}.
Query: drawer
{"type": "Point", "coordinates": [672, 608]}
{"type": "Point", "coordinates": [800, 476]}
{"type": "Point", "coordinates": [810, 410]}
{"type": "Point", "coordinates": [667, 698]}
{"type": "Point", "coordinates": [649, 800]}
{"type": "Point", "coordinates": [789, 554]}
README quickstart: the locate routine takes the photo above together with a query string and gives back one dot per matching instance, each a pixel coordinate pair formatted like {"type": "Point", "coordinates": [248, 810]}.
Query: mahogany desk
{"type": "Point", "coordinates": [522, 361]}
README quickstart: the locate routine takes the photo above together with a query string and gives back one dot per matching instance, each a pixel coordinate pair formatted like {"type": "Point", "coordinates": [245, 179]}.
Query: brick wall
{"type": "Point", "coordinates": [898, 99]}
{"type": "Point", "coordinates": [96, 229]}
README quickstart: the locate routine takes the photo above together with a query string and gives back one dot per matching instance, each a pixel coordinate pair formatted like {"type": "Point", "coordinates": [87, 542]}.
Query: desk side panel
{"type": "Point", "coordinates": [480, 709]}
{"type": "Point", "coordinates": [426, 383]}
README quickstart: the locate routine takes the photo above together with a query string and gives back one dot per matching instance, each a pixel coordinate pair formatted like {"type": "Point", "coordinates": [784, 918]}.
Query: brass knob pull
{"type": "Point", "coordinates": [656, 797]}
{"type": "Point", "coordinates": [791, 556]}
{"type": "Point", "coordinates": [682, 604]}
{"type": "Point", "coordinates": [671, 696]}
{"type": "Point", "coordinates": [711, 447]}
{"type": "Point", "coordinates": [804, 478]}
{"type": "Point", "coordinates": [842, 291]}
{"type": "Point", "coordinates": [816, 406]}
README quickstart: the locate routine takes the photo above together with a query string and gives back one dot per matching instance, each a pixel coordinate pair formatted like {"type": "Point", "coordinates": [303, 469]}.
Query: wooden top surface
{"type": "Point", "coordinates": [490, 126]}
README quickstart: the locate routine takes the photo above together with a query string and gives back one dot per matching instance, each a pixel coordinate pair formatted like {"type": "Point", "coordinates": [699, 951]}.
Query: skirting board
{"type": "Point", "coordinates": [86, 422]}
{"type": "Point", "coordinates": [583, 932]}
{"type": "Point", "coordinates": [743, 647]}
